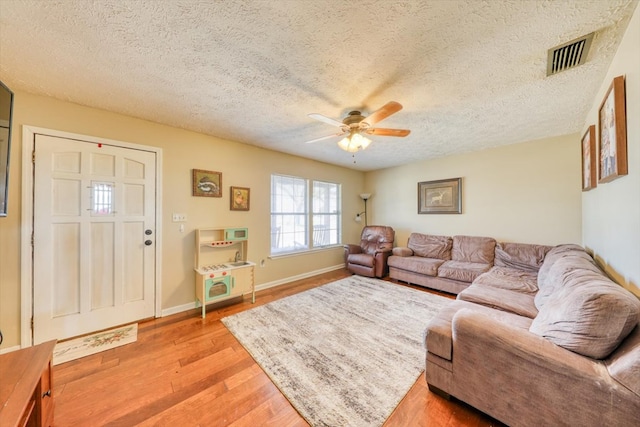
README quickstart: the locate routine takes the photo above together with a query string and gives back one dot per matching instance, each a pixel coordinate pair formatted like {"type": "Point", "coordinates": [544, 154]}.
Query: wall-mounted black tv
{"type": "Point", "coordinates": [6, 112]}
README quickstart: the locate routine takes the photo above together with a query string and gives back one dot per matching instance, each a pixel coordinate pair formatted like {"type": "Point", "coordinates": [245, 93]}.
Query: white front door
{"type": "Point", "coordinates": [94, 234]}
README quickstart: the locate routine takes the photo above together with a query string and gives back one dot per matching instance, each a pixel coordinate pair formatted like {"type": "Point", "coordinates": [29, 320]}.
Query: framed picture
{"type": "Point", "coordinates": [207, 183]}
{"type": "Point", "coordinates": [440, 197]}
{"type": "Point", "coordinates": [589, 179]}
{"type": "Point", "coordinates": [239, 198]}
{"type": "Point", "coordinates": [612, 159]}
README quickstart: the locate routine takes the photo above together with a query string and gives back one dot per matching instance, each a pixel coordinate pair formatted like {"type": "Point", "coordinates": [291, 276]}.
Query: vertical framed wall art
{"type": "Point", "coordinates": [588, 143]}
{"type": "Point", "coordinates": [612, 116]}
{"type": "Point", "coordinates": [206, 183]}
{"type": "Point", "coordinates": [239, 198]}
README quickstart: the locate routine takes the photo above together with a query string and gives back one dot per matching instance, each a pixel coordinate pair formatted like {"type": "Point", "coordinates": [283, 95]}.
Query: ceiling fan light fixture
{"type": "Point", "coordinates": [354, 142]}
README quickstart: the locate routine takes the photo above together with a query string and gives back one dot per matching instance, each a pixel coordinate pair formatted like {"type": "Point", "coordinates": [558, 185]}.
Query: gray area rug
{"type": "Point", "coordinates": [344, 354]}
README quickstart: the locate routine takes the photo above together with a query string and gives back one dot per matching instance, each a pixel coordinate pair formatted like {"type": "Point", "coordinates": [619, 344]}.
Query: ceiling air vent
{"type": "Point", "coordinates": [568, 55]}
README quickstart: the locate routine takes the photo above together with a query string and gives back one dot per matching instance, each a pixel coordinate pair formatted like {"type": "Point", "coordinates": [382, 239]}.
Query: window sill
{"type": "Point", "coordinates": [304, 252]}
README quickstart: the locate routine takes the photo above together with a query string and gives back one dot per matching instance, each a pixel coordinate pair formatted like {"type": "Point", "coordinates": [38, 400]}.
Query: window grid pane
{"type": "Point", "coordinates": [326, 218]}
{"type": "Point", "coordinates": [289, 217]}
{"type": "Point", "coordinates": [102, 198]}
{"type": "Point", "coordinates": [293, 227]}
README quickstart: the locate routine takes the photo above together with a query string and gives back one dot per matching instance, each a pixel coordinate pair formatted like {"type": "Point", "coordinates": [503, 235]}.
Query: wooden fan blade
{"type": "Point", "coordinates": [388, 132]}
{"type": "Point", "coordinates": [326, 119]}
{"type": "Point", "coordinates": [388, 109]}
{"type": "Point", "coordinates": [326, 137]}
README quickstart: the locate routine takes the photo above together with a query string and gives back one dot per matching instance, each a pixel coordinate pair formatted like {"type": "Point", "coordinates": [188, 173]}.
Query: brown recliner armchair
{"type": "Point", "coordinates": [369, 258]}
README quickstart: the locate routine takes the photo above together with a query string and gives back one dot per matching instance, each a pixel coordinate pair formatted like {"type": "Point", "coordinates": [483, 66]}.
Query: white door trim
{"type": "Point", "coordinates": [26, 254]}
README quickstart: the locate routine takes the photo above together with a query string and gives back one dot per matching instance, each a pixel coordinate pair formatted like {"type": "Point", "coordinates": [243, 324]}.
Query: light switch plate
{"type": "Point", "coordinates": [178, 217]}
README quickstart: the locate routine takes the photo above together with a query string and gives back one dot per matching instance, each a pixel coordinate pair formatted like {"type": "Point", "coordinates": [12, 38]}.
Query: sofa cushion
{"type": "Point", "coordinates": [430, 246]}
{"type": "Point", "coordinates": [501, 299]}
{"type": "Point", "coordinates": [480, 250]}
{"type": "Point", "coordinates": [510, 279]}
{"type": "Point", "coordinates": [522, 256]}
{"type": "Point", "coordinates": [416, 264]}
{"type": "Point", "coordinates": [565, 272]}
{"type": "Point", "coordinates": [591, 318]}
{"type": "Point", "coordinates": [554, 254]}
{"type": "Point", "coordinates": [462, 271]}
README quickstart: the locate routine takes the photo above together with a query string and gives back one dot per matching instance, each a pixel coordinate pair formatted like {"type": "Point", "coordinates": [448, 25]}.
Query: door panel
{"type": "Point", "coordinates": [92, 268]}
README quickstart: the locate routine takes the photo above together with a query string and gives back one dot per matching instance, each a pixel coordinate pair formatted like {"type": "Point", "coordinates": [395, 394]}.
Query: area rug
{"type": "Point", "coordinates": [94, 343]}
{"type": "Point", "coordinates": [344, 354]}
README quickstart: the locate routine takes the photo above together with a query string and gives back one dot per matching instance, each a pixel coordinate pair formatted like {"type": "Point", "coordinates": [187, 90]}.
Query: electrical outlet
{"type": "Point", "coordinates": [178, 217]}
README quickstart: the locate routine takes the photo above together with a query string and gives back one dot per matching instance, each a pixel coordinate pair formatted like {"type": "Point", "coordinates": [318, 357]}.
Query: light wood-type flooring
{"type": "Point", "coordinates": [188, 371]}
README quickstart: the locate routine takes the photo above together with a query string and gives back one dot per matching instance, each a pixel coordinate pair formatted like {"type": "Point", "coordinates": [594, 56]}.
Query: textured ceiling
{"type": "Point", "coordinates": [471, 74]}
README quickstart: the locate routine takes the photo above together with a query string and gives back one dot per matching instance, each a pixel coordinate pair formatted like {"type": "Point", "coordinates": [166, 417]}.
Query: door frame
{"type": "Point", "coordinates": [26, 248]}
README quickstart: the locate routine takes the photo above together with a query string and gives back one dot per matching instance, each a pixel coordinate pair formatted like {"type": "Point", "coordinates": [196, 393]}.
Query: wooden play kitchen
{"type": "Point", "coordinates": [222, 269]}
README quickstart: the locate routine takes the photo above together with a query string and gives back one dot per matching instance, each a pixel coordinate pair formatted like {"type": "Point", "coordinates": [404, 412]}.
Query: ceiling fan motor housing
{"type": "Point", "coordinates": [355, 120]}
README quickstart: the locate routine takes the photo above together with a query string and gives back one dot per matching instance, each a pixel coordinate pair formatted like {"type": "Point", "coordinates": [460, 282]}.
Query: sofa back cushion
{"type": "Point", "coordinates": [430, 246]}
{"type": "Point", "coordinates": [522, 256]}
{"type": "Point", "coordinates": [554, 254]}
{"type": "Point", "coordinates": [590, 316]}
{"type": "Point", "coordinates": [570, 268]}
{"type": "Point", "coordinates": [480, 250]}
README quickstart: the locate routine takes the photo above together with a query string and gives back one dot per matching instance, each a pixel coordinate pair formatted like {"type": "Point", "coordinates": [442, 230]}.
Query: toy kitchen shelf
{"type": "Point", "coordinates": [222, 269]}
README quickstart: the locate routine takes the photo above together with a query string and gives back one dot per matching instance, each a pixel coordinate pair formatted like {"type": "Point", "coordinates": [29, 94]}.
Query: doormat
{"type": "Point", "coordinates": [94, 343]}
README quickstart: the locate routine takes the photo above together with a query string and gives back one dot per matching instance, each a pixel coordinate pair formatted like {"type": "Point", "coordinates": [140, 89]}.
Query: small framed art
{"type": "Point", "coordinates": [206, 183]}
{"type": "Point", "coordinates": [443, 196]}
{"type": "Point", "coordinates": [239, 198]}
{"type": "Point", "coordinates": [589, 180]}
{"type": "Point", "coordinates": [612, 152]}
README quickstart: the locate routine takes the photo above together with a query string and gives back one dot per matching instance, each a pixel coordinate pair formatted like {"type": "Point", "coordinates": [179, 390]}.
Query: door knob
{"type": "Point", "coordinates": [148, 242]}
{"type": "Point", "coordinates": [148, 232]}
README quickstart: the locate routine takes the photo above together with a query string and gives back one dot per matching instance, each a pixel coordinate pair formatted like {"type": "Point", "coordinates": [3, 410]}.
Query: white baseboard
{"type": "Point", "coordinates": [298, 277]}
{"type": "Point", "coordinates": [10, 349]}
{"type": "Point", "coordinates": [192, 305]}
{"type": "Point", "coordinates": [178, 309]}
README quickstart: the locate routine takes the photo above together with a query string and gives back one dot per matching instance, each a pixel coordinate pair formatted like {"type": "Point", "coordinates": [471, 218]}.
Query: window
{"type": "Point", "coordinates": [326, 214]}
{"type": "Point", "coordinates": [295, 224]}
{"type": "Point", "coordinates": [102, 198]}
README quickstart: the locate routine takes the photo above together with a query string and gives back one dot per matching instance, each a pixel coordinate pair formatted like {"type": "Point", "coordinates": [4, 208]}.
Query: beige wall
{"type": "Point", "coordinates": [611, 211]}
{"type": "Point", "coordinates": [241, 165]}
{"type": "Point", "coordinates": [527, 192]}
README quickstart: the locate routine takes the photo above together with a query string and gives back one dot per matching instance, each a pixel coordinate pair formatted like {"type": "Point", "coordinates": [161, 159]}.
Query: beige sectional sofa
{"type": "Point", "coordinates": [446, 263]}
{"type": "Point", "coordinates": [542, 338]}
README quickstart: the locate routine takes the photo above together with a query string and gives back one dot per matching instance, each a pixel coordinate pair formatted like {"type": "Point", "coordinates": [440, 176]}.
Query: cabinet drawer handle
{"type": "Point", "coordinates": [46, 394]}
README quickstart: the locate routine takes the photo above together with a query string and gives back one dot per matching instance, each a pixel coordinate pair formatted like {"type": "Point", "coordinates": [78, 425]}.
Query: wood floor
{"type": "Point", "coordinates": [188, 371]}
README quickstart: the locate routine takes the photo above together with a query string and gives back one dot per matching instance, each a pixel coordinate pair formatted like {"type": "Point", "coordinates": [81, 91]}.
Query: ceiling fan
{"type": "Point", "coordinates": [355, 126]}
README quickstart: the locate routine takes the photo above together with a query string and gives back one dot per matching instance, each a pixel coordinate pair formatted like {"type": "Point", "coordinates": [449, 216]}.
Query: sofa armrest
{"type": "Point", "coordinates": [477, 330]}
{"type": "Point", "coordinates": [514, 375]}
{"type": "Point", "coordinates": [402, 251]}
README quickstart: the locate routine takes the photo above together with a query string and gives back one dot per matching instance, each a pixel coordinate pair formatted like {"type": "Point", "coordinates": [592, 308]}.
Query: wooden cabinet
{"type": "Point", "coordinates": [222, 269]}
{"type": "Point", "coordinates": [26, 387]}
